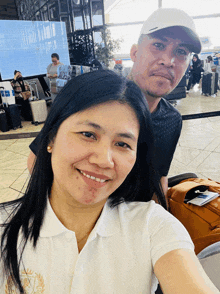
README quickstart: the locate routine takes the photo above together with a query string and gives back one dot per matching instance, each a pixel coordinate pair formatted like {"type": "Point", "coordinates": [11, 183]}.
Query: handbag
{"type": "Point", "coordinates": [201, 222]}
{"type": "Point", "coordinates": [26, 95]}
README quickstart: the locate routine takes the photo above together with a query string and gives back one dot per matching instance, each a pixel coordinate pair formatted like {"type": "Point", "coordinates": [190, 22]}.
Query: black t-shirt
{"type": "Point", "coordinates": [167, 124]}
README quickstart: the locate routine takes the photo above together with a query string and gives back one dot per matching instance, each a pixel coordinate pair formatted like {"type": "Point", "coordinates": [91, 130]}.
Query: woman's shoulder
{"type": "Point", "coordinates": [144, 211]}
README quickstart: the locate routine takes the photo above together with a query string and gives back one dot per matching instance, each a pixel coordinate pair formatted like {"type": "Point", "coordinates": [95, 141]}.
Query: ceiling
{"type": "Point", "coordinates": [8, 9]}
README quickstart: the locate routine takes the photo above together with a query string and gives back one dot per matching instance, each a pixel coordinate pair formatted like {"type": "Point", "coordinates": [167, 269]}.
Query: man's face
{"type": "Point", "coordinates": [159, 64]}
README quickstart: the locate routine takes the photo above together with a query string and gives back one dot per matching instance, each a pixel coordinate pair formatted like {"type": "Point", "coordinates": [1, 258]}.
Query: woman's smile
{"type": "Point", "coordinates": [97, 181]}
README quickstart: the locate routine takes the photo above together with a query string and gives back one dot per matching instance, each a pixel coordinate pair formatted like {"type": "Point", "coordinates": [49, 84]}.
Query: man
{"type": "Point", "coordinates": [161, 58]}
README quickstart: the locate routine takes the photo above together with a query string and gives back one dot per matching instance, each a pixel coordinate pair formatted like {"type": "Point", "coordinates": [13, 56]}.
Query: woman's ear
{"type": "Point", "coordinates": [133, 52]}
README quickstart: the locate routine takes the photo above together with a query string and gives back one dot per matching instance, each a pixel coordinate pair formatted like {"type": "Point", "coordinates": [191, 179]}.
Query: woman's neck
{"type": "Point", "coordinates": [75, 216]}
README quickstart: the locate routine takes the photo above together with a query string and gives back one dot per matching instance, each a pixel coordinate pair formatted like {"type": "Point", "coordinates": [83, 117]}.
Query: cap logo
{"type": "Point", "coordinates": [153, 29]}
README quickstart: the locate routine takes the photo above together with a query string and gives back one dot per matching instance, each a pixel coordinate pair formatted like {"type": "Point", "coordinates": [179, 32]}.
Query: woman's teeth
{"type": "Point", "coordinates": [92, 178]}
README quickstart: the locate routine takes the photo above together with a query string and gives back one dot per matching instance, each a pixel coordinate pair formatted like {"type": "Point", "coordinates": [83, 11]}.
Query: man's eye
{"type": "Point", "coordinates": [181, 52]}
{"type": "Point", "coordinates": [123, 145]}
{"type": "Point", "coordinates": [88, 135]}
{"type": "Point", "coordinates": [159, 46]}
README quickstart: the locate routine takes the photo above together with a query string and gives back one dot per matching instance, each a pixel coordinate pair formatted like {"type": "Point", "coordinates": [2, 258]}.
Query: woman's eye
{"type": "Point", "coordinates": [123, 145]}
{"type": "Point", "coordinates": [159, 46]}
{"type": "Point", "coordinates": [88, 135]}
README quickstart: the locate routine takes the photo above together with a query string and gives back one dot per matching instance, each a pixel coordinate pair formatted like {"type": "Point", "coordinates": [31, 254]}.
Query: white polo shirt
{"type": "Point", "coordinates": [118, 258]}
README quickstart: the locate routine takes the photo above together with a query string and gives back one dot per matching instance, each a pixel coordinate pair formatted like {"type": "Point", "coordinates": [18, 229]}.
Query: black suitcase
{"type": "Point", "coordinates": [13, 116]}
{"type": "Point", "coordinates": [3, 121]}
{"type": "Point", "coordinates": [206, 84]}
{"type": "Point", "coordinates": [210, 83]}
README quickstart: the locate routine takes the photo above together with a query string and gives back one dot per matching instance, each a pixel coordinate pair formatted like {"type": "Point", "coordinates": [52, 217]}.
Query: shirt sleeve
{"type": "Point", "coordinates": [166, 233]}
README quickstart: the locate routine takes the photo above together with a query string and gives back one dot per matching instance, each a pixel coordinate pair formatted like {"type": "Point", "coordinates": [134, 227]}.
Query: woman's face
{"type": "Point", "coordinates": [54, 60]}
{"type": "Point", "coordinates": [93, 152]}
{"type": "Point", "coordinates": [194, 59]}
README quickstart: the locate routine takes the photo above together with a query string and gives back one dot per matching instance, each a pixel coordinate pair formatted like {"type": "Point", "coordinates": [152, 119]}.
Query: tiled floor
{"type": "Point", "coordinates": [198, 149]}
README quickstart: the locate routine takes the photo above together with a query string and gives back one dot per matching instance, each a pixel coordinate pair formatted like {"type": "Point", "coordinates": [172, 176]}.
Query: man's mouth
{"type": "Point", "coordinates": [164, 75]}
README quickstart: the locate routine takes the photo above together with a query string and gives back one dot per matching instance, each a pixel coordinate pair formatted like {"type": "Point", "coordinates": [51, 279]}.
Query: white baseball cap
{"type": "Point", "coordinates": [175, 20]}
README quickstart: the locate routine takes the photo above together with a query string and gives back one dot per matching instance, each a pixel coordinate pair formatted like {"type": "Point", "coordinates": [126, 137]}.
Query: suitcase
{"type": "Point", "coordinates": [210, 83]}
{"type": "Point", "coordinates": [178, 92]}
{"type": "Point", "coordinates": [3, 121]}
{"type": "Point", "coordinates": [13, 116]}
{"type": "Point", "coordinates": [39, 111]}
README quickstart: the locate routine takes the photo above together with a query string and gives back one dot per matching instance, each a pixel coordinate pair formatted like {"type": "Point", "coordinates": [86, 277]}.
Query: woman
{"type": "Point", "coordinates": [52, 73]}
{"type": "Point", "coordinates": [195, 72]}
{"type": "Point", "coordinates": [86, 223]}
{"type": "Point", "coordinates": [20, 86]}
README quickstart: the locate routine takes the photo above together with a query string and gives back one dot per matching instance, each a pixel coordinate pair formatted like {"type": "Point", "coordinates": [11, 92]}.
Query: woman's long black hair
{"type": "Point", "coordinates": [79, 94]}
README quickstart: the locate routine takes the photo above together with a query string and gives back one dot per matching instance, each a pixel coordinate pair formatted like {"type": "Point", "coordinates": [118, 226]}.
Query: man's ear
{"type": "Point", "coordinates": [133, 52]}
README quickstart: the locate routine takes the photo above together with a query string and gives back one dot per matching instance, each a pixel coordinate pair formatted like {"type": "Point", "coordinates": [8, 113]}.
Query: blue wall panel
{"type": "Point", "coordinates": [27, 46]}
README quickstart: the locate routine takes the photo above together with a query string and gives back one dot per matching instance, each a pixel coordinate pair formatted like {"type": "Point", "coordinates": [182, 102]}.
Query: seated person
{"type": "Point", "coordinates": [20, 86]}
{"type": "Point", "coordinates": [86, 223]}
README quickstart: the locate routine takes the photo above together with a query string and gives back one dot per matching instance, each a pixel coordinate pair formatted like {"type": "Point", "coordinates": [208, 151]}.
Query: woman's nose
{"type": "Point", "coordinates": [102, 156]}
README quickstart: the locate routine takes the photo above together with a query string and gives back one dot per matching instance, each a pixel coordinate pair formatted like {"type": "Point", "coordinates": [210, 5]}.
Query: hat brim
{"type": "Point", "coordinates": [187, 36]}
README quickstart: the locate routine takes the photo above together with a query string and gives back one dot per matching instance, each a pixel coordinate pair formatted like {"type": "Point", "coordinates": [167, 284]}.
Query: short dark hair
{"type": "Point", "coordinates": [78, 94]}
{"type": "Point", "coordinates": [16, 71]}
{"type": "Point", "coordinates": [55, 55]}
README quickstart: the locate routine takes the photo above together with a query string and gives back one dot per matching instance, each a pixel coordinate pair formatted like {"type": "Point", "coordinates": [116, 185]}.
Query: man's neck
{"type": "Point", "coordinates": [152, 102]}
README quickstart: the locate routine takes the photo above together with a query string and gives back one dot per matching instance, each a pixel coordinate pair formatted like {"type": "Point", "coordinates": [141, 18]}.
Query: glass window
{"type": "Point", "coordinates": [63, 6]}
{"type": "Point", "coordinates": [53, 11]}
{"type": "Point", "coordinates": [96, 8]}
{"type": "Point", "coordinates": [78, 21]}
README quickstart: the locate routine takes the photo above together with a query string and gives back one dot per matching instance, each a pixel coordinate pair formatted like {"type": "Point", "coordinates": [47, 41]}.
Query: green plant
{"type": "Point", "coordinates": [104, 51]}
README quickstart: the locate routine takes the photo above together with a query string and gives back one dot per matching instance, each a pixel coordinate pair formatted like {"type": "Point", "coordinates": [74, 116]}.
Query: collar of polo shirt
{"type": "Point", "coordinates": [107, 224]}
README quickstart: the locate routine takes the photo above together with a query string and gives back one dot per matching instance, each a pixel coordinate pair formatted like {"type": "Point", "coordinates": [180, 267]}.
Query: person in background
{"type": "Point", "coordinates": [195, 72]}
{"type": "Point", "coordinates": [52, 73]}
{"type": "Point", "coordinates": [22, 93]}
{"type": "Point", "coordinates": [86, 223]}
{"type": "Point", "coordinates": [208, 64]}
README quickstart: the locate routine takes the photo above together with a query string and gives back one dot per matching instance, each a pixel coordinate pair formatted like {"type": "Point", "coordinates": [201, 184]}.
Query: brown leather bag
{"type": "Point", "coordinates": [26, 95]}
{"type": "Point", "coordinates": [202, 222]}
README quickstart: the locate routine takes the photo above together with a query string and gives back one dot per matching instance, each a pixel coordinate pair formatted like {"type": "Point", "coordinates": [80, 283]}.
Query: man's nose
{"type": "Point", "coordinates": [167, 59]}
{"type": "Point", "coordinates": [102, 156]}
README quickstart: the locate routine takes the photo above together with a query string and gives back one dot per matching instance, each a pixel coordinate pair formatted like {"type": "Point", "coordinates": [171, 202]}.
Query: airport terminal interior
{"type": "Point", "coordinates": [76, 30]}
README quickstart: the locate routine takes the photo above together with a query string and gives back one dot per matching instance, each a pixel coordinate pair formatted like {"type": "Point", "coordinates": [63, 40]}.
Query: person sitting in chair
{"type": "Point", "coordinates": [22, 93]}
